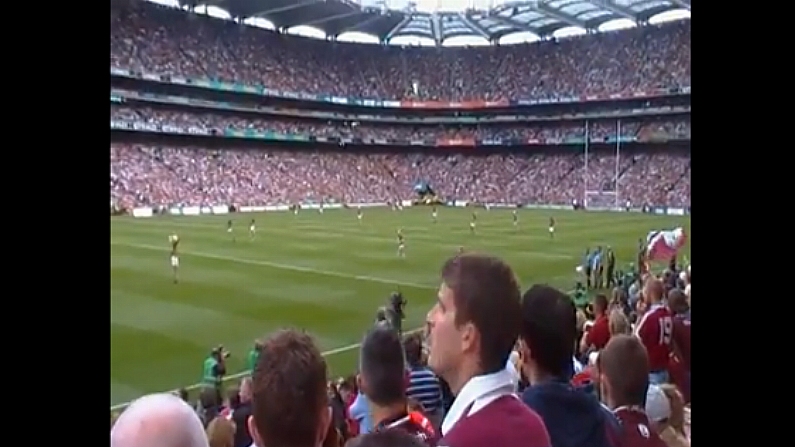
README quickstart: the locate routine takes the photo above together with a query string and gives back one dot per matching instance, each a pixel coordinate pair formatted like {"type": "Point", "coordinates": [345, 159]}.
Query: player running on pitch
{"type": "Point", "coordinates": [173, 239]}
{"type": "Point", "coordinates": [252, 229]}
{"type": "Point", "coordinates": [515, 216]}
{"type": "Point", "coordinates": [472, 223]}
{"type": "Point", "coordinates": [434, 214]}
{"type": "Point", "coordinates": [552, 228]}
{"type": "Point", "coordinates": [359, 214]}
{"type": "Point", "coordinates": [229, 230]}
{"type": "Point", "coordinates": [401, 251]}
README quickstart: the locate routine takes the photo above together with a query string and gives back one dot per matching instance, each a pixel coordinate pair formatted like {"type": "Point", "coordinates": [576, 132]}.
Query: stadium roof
{"type": "Point", "coordinates": [380, 18]}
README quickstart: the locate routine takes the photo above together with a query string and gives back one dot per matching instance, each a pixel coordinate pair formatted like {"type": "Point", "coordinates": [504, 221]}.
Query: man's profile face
{"type": "Point", "coordinates": [444, 337]}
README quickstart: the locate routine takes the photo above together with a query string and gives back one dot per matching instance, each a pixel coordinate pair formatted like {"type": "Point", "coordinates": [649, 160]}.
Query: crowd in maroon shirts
{"type": "Point", "coordinates": [166, 41]}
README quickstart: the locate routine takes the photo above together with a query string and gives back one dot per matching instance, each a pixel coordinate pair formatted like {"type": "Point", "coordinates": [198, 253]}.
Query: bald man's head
{"type": "Point", "coordinates": [158, 420]}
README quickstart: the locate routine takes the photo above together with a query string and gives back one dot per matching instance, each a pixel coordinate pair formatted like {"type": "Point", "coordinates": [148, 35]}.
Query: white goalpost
{"type": "Point", "coordinates": [599, 191]}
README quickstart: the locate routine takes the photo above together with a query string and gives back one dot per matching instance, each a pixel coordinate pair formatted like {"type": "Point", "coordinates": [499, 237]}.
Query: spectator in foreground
{"type": "Point", "coordinates": [221, 432]}
{"type": "Point", "coordinates": [472, 331]}
{"type": "Point", "coordinates": [599, 333]}
{"type": "Point", "coordinates": [618, 323]}
{"type": "Point", "coordinates": [573, 417]}
{"type": "Point", "coordinates": [158, 420]}
{"type": "Point", "coordinates": [289, 402]}
{"type": "Point", "coordinates": [665, 408]}
{"type": "Point", "coordinates": [655, 330]}
{"type": "Point", "coordinates": [242, 413]}
{"type": "Point", "coordinates": [383, 381]}
{"type": "Point", "coordinates": [624, 380]}
{"type": "Point", "coordinates": [424, 386]}
{"type": "Point", "coordinates": [385, 439]}
{"type": "Point", "coordinates": [679, 363]}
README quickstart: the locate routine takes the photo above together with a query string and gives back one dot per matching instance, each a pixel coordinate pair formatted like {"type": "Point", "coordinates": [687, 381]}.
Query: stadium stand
{"type": "Point", "coordinates": [209, 112]}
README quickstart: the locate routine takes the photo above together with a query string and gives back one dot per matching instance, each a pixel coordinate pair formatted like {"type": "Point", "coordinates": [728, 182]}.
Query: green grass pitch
{"type": "Point", "coordinates": [326, 273]}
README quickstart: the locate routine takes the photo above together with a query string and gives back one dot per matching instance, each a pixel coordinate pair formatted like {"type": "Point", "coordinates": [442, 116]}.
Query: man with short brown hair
{"type": "Point", "coordinates": [623, 367]}
{"type": "Point", "coordinates": [473, 328]}
{"type": "Point", "coordinates": [289, 401]}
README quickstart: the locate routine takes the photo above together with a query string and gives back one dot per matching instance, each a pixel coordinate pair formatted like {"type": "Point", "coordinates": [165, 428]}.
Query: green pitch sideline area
{"type": "Point", "coordinates": [326, 273]}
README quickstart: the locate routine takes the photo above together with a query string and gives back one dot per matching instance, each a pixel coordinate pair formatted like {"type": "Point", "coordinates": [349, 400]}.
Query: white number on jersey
{"type": "Point", "coordinates": [666, 330]}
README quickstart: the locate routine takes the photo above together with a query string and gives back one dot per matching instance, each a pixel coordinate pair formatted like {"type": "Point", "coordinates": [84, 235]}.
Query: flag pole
{"type": "Point", "coordinates": [618, 158]}
{"type": "Point", "coordinates": [585, 175]}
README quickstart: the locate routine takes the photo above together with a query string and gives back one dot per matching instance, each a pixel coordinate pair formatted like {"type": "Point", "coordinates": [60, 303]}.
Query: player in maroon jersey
{"type": "Point", "coordinates": [655, 330]}
{"type": "Point", "coordinates": [623, 367]}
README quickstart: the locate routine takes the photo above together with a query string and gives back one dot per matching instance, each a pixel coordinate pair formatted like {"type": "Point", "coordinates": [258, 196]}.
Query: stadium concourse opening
{"type": "Point", "coordinates": [461, 23]}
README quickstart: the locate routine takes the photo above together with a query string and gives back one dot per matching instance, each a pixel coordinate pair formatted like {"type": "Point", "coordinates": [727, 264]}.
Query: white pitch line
{"type": "Point", "coordinates": [245, 373]}
{"type": "Point", "coordinates": [330, 352]}
{"type": "Point", "coordinates": [278, 265]}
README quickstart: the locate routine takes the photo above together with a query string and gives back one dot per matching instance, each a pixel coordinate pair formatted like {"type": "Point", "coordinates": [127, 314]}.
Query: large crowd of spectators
{"type": "Point", "coordinates": [149, 175]}
{"type": "Point", "coordinates": [167, 41]}
{"type": "Point", "coordinates": [611, 373]}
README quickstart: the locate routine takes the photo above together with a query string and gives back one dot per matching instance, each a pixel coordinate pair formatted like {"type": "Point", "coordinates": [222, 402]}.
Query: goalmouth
{"type": "Point", "coordinates": [602, 193]}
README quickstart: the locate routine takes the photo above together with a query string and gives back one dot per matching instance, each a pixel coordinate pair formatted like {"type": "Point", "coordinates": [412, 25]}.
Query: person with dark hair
{"type": "Point", "coordinates": [289, 400]}
{"type": "Point", "coordinates": [382, 379]}
{"type": "Point", "coordinates": [423, 386]}
{"type": "Point", "coordinates": [472, 330]}
{"type": "Point", "coordinates": [385, 439]}
{"type": "Point", "coordinates": [624, 381]}
{"type": "Point", "coordinates": [573, 417]}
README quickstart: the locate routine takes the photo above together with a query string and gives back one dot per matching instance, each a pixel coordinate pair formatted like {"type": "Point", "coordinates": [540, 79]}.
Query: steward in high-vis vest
{"type": "Point", "coordinates": [215, 368]}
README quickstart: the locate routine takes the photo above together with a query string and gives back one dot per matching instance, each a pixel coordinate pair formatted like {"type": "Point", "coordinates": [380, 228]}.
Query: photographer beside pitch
{"type": "Point", "coordinates": [214, 368]}
{"type": "Point", "coordinates": [393, 314]}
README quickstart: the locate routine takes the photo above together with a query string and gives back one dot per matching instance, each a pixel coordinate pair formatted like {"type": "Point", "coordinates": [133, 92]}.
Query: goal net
{"type": "Point", "coordinates": [601, 200]}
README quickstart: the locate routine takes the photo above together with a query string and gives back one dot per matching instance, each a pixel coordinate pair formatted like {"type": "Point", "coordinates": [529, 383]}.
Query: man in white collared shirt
{"type": "Point", "coordinates": [473, 328]}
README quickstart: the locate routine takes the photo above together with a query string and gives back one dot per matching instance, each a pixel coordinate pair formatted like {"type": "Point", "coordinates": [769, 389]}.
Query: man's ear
{"type": "Point", "coordinates": [252, 429]}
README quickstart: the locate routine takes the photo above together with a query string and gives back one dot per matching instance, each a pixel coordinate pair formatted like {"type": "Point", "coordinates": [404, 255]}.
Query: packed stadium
{"type": "Point", "coordinates": [383, 223]}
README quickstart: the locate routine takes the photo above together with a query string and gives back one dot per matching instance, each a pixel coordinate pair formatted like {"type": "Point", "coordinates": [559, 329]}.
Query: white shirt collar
{"type": "Point", "coordinates": [478, 392]}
